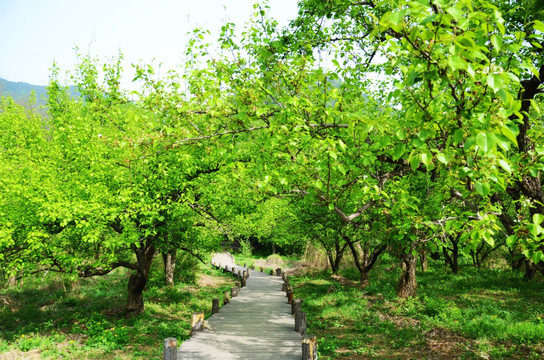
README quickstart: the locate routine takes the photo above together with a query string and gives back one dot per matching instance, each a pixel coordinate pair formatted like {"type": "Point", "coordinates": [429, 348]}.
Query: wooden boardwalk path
{"type": "Point", "coordinates": [256, 324]}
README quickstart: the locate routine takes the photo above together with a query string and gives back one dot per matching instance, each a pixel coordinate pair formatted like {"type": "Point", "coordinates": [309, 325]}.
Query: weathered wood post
{"type": "Point", "coordinates": [244, 274]}
{"type": "Point", "coordinates": [237, 284]}
{"type": "Point", "coordinates": [309, 348]}
{"type": "Point", "coordinates": [290, 297]}
{"type": "Point", "coordinates": [215, 305]}
{"type": "Point", "coordinates": [284, 287]}
{"type": "Point", "coordinates": [233, 269]}
{"type": "Point", "coordinates": [234, 291]}
{"type": "Point", "coordinates": [300, 322]}
{"type": "Point", "coordinates": [170, 349]}
{"type": "Point", "coordinates": [247, 273]}
{"type": "Point", "coordinates": [226, 268]}
{"type": "Point", "coordinates": [262, 270]}
{"type": "Point", "coordinates": [252, 267]}
{"type": "Point", "coordinates": [271, 272]}
{"type": "Point", "coordinates": [245, 265]}
{"type": "Point", "coordinates": [239, 273]}
{"type": "Point", "coordinates": [197, 322]}
{"type": "Point", "coordinates": [283, 276]}
{"type": "Point", "coordinates": [278, 272]}
{"type": "Point", "coordinates": [243, 282]}
{"type": "Point", "coordinates": [287, 289]}
{"type": "Point", "coordinates": [296, 306]}
{"type": "Point", "coordinates": [226, 297]}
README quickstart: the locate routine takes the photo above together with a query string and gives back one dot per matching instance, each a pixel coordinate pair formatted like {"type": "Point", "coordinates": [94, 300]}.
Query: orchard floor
{"type": "Point", "coordinates": [477, 314]}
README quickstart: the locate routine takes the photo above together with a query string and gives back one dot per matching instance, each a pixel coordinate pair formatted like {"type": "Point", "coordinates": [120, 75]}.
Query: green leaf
{"type": "Point", "coordinates": [538, 219]}
{"type": "Point", "coordinates": [458, 136]}
{"type": "Point", "coordinates": [538, 25]}
{"type": "Point", "coordinates": [504, 164]}
{"type": "Point", "coordinates": [496, 40]}
{"type": "Point", "coordinates": [457, 63]}
{"type": "Point", "coordinates": [414, 162]}
{"type": "Point", "coordinates": [482, 142]}
{"type": "Point", "coordinates": [442, 158]}
{"type": "Point", "coordinates": [510, 134]}
{"type": "Point", "coordinates": [537, 257]}
{"type": "Point", "coordinates": [331, 207]}
{"type": "Point", "coordinates": [426, 158]}
{"type": "Point", "coordinates": [482, 188]}
{"type": "Point", "coordinates": [534, 229]}
{"type": "Point", "coordinates": [495, 82]}
{"type": "Point", "coordinates": [511, 240]}
{"type": "Point", "coordinates": [398, 151]}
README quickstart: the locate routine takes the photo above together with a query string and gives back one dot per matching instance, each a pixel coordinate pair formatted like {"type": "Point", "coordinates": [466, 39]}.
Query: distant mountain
{"type": "Point", "coordinates": [20, 91]}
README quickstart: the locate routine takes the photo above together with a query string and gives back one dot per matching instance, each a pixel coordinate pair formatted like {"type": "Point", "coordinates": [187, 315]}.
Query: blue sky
{"type": "Point", "coordinates": [34, 33]}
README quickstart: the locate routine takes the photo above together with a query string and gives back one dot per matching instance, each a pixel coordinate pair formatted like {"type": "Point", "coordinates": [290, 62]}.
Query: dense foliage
{"type": "Point", "coordinates": [366, 127]}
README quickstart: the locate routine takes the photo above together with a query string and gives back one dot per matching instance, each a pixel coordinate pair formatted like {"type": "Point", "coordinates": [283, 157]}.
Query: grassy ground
{"type": "Point", "coordinates": [51, 317]}
{"type": "Point", "coordinates": [477, 314]}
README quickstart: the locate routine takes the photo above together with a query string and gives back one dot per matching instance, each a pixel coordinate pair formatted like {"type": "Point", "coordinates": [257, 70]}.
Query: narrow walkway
{"type": "Point", "coordinates": [256, 324]}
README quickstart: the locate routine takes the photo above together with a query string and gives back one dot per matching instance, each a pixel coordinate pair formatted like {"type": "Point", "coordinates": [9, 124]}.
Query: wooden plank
{"type": "Point", "coordinates": [256, 324]}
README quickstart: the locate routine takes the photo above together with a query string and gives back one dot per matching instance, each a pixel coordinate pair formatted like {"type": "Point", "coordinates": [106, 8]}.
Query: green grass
{"type": "Point", "coordinates": [479, 313]}
{"type": "Point", "coordinates": [51, 316]}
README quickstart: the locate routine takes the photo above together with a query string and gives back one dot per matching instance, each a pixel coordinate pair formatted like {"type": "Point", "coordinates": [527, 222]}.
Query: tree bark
{"type": "Point", "coordinates": [169, 260]}
{"type": "Point", "coordinates": [423, 259]}
{"type": "Point", "coordinates": [138, 281]}
{"type": "Point", "coordinates": [530, 270]}
{"type": "Point", "coordinates": [452, 260]}
{"type": "Point", "coordinates": [408, 284]}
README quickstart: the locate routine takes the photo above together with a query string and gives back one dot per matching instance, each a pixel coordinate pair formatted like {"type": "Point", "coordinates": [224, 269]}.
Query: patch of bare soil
{"type": "Point", "coordinates": [20, 355]}
{"type": "Point", "coordinates": [209, 281]}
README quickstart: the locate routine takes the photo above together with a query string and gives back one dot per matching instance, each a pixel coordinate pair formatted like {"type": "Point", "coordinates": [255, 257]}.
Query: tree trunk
{"type": "Point", "coordinates": [273, 248]}
{"type": "Point", "coordinates": [169, 260]}
{"type": "Point", "coordinates": [423, 260]}
{"type": "Point", "coordinates": [138, 281]}
{"type": "Point", "coordinates": [407, 285]}
{"type": "Point", "coordinates": [365, 279]}
{"type": "Point", "coordinates": [530, 270]}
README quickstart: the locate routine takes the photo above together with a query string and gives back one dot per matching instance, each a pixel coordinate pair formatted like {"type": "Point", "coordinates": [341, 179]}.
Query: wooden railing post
{"type": "Point", "coordinates": [290, 297]}
{"type": "Point", "coordinates": [296, 306]}
{"type": "Point", "coordinates": [197, 322]}
{"type": "Point", "coordinates": [271, 272]}
{"type": "Point", "coordinates": [233, 269]}
{"type": "Point", "coordinates": [278, 272]}
{"type": "Point", "coordinates": [243, 282]}
{"type": "Point", "coordinates": [226, 268]}
{"type": "Point", "coordinates": [262, 270]}
{"type": "Point", "coordinates": [309, 348]}
{"type": "Point", "coordinates": [215, 306]}
{"type": "Point", "coordinates": [170, 349]}
{"type": "Point", "coordinates": [226, 297]}
{"type": "Point", "coordinates": [234, 291]}
{"type": "Point", "coordinates": [239, 273]}
{"type": "Point", "coordinates": [245, 265]}
{"type": "Point", "coordinates": [300, 322]}
{"type": "Point", "coordinates": [252, 267]}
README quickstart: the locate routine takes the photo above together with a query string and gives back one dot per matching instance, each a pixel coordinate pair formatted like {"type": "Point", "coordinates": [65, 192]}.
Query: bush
{"type": "Point", "coordinates": [186, 268]}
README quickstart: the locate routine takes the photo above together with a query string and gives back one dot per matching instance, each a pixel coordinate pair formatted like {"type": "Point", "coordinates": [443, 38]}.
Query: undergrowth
{"type": "Point", "coordinates": [53, 317]}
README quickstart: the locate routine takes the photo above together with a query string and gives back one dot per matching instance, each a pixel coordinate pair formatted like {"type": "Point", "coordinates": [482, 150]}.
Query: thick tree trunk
{"type": "Point", "coordinates": [135, 300]}
{"type": "Point", "coordinates": [169, 260]}
{"type": "Point", "coordinates": [138, 281]}
{"type": "Point", "coordinates": [408, 284]}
